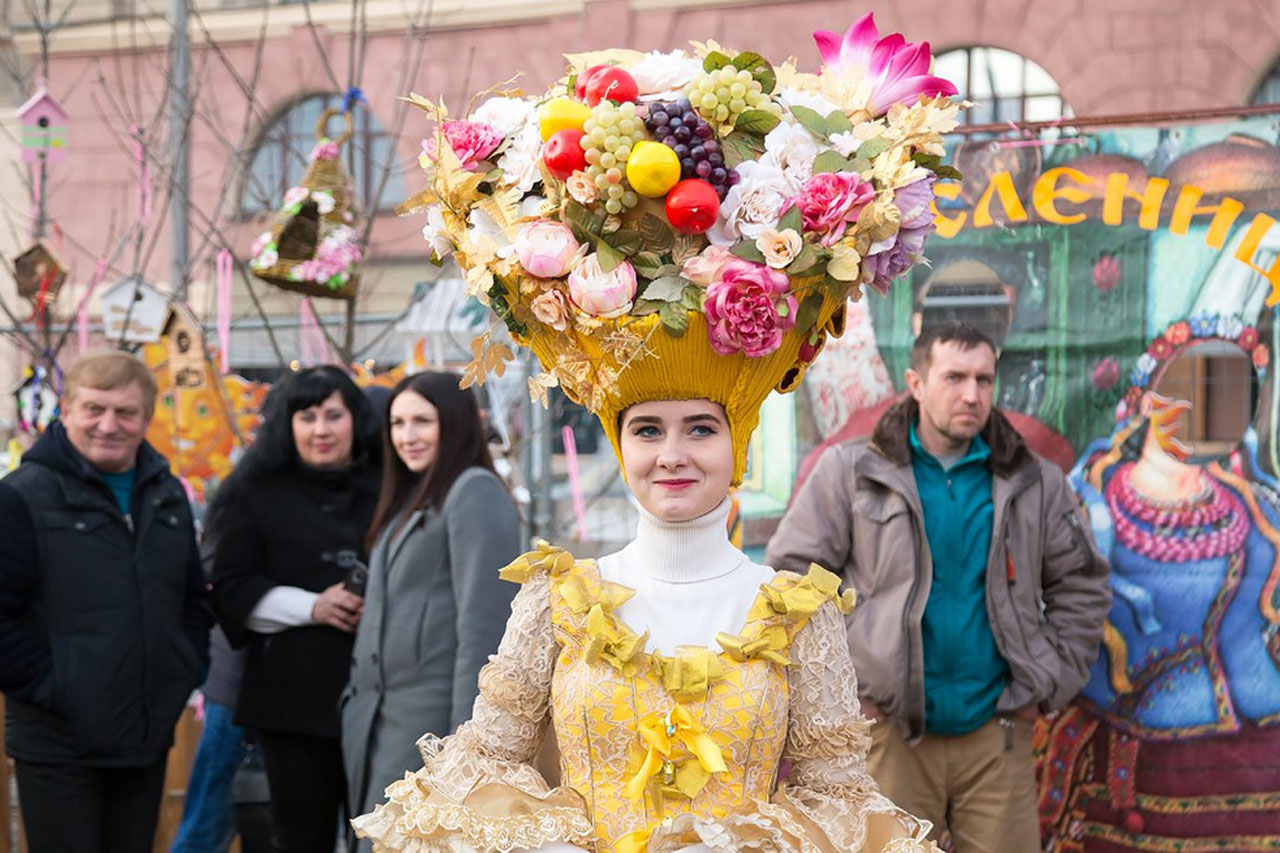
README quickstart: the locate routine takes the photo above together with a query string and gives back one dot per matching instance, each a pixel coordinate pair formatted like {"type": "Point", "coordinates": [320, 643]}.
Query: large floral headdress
{"type": "Point", "coordinates": [688, 224]}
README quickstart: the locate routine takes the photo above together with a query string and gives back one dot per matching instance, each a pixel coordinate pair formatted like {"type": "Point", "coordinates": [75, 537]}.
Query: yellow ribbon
{"type": "Point", "coordinates": [767, 643]}
{"type": "Point", "coordinates": [662, 734]}
{"type": "Point", "coordinates": [555, 560]}
{"type": "Point", "coordinates": [689, 675]}
{"type": "Point", "coordinates": [613, 642]}
{"type": "Point", "coordinates": [633, 842]}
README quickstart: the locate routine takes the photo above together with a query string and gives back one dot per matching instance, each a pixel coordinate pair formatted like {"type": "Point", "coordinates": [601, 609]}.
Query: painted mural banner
{"type": "Point", "coordinates": [1131, 277]}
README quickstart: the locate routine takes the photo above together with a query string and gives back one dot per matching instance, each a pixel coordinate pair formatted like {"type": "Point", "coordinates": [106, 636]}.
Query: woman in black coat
{"type": "Point", "coordinates": [292, 520]}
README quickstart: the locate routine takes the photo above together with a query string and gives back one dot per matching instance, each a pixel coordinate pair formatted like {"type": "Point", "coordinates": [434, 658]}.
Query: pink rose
{"type": "Point", "coordinates": [830, 199]}
{"type": "Point", "coordinates": [599, 293]}
{"type": "Point", "coordinates": [748, 309]}
{"type": "Point", "coordinates": [546, 249]}
{"type": "Point", "coordinates": [704, 268]}
{"type": "Point", "coordinates": [472, 141]}
{"type": "Point", "coordinates": [325, 150]}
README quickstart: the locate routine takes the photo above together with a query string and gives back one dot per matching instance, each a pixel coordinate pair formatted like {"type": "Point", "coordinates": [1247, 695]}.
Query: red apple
{"type": "Point", "coordinates": [612, 83]}
{"type": "Point", "coordinates": [580, 84]}
{"type": "Point", "coordinates": [563, 153]}
{"type": "Point", "coordinates": [692, 206]}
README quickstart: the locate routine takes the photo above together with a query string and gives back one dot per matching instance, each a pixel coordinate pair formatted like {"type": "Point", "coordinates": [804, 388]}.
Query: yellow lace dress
{"type": "Point", "coordinates": [656, 752]}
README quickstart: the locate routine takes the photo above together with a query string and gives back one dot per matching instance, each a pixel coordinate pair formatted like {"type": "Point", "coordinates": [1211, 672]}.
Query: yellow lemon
{"type": "Point", "coordinates": [652, 169]}
{"type": "Point", "coordinates": [561, 114]}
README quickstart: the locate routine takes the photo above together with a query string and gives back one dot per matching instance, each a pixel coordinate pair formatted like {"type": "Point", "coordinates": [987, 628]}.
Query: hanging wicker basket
{"type": "Point", "coordinates": [313, 247]}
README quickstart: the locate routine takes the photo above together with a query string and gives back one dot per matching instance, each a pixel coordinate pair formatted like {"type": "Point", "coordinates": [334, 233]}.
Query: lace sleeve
{"type": "Point", "coordinates": [477, 789]}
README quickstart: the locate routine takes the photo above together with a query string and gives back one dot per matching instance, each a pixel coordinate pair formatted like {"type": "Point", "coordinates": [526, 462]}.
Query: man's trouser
{"type": "Point", "coordinates": [68, 808]}
{"type": "Point", "coordinates": [981, 786]}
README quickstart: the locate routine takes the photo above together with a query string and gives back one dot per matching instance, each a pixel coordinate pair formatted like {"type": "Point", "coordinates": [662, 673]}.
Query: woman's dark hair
{"type": "Point", "coordinates": [461, 445]}
{"type": "Point", "coordinates": [273, 449]}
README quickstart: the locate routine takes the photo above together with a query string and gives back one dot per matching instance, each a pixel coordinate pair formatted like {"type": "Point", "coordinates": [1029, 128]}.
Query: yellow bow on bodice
{"type": "Point", "coordinates": [662, 735]}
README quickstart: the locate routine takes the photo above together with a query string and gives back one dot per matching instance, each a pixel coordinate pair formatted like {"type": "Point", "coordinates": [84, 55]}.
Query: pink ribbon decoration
{"type": "Point", "coordinates": [575, 482]}
{"type": "Point", "coordinates": [222, 272]}
{"type": "Point", "coordinates": [315, 349]}
{"type": "Point", "coordinates": [144, 176]}
{"type": "Point", "coordinates": [82, 313]}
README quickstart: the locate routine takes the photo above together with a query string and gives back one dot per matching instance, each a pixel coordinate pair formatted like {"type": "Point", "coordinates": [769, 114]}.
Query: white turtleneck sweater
{"type": "Point", "coordinates": [690, 582]}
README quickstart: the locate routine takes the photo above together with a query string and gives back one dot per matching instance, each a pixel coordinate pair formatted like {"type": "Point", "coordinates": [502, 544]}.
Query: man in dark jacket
{"type": "Point", "coordinates": [103, 622]}
{"type": "Point", "coordinates": [981, 596]}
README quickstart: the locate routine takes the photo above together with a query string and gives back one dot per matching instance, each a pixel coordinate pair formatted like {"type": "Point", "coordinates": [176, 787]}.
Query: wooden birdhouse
{"type": "Point", "coordinates": [44, 128]}
{"type": "Point", "coordinates": [313, 246]}
{"type": "Point", "coordinates": [185, 341]}
{"type": "Point", "coordinates": [37, 271]}
{"type": "Point", "coordinates": [133, 311]}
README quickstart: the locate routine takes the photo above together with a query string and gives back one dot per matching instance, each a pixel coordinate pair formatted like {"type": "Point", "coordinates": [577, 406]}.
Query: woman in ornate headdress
{"type": "Point", "coordinates": [679, 676]}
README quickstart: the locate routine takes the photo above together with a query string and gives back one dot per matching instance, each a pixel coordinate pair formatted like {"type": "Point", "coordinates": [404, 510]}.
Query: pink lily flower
{"type": "Point", "coordinates": [897, 70]}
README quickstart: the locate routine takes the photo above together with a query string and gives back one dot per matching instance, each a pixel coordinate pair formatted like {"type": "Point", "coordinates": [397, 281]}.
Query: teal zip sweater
{"type": "Point", "coordinates": [964, 673]}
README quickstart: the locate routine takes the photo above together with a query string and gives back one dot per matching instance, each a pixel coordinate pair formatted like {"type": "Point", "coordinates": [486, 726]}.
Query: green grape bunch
{"type": "Point", "coordinates": [720, 96]}
{"type": "Point", "coordinates": [609, 134]}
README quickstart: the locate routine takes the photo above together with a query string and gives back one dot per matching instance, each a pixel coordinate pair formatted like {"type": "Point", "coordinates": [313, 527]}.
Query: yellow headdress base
{"type": "Point", "coordinates": [687, 368]}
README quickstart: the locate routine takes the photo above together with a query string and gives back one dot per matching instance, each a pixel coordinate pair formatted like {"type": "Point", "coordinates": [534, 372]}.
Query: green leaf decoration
{"type": "Point", "coordinates": [838, 122]}
{"type": "Point", "coordinates": [747, 250]}
{"type": "Point", "coordinates": [807, 315]}
{"type": "Point", "coordinates": [859, 164]}
{"type": "Point", "coordinates": [929, 161]}
{"type": "Point", "coordinates": [756, 121]}
{"type": "Point", "coordinates": [626, 241]}
{"type": "Point", "coordinates": [714, 61]}
{"type": "Point", "coordinates": [948, 173]}
{"type": "Point", "coordinates": [760, 69]}
{"type": "Point", "coordinates": [741, 147]}
{"type": "Point", "coordinates": [641, 307]}
{"type": "Point", "coordinates": [580, 221]}
{"type": "Point", "coordinates": [647, 264]}
{"type": "Point", "coordinates": [837, 288]}
{"type": "Point", "coordinates": [675, 319]}
{"type": "Point", "coordinates": [830, 161]}
{"type": "Point", "coordinates": [792, 219]}
{"type": "Point", "coordinates": [693, 297]}
{"type": "Point", "coordinates": [655, 233]}
{"type": "Point", "coordinates": [810, 257]}
{"type": "Point", "coordinates": [609, 256]}
{"type": "Point", "coordinates": [669, 288]}
{"type": "Point", "coordinates": [873, 148]}
{"type": "Point", "coordinates": [811, 120]}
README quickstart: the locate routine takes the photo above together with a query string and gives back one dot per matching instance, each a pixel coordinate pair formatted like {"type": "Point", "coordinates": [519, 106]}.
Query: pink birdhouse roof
{"type": "Point", "coordinates": [42, 104]}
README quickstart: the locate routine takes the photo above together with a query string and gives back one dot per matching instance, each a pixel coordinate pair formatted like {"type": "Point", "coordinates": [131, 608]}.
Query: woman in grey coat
{"type": "Point", "coordinates": [434, 608]}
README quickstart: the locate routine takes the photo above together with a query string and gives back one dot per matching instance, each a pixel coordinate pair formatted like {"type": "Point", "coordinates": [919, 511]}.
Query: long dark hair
{"type": "Point", "coordinates": [461, 445]}
{"type": "Point", "coordinates": [273, 449]}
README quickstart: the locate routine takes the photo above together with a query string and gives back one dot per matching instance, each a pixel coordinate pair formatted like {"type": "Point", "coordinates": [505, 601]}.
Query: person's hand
{"type": "Point", "coordinates": [872, 711]}
{"type": "Point", "coordinates": [338, 608]}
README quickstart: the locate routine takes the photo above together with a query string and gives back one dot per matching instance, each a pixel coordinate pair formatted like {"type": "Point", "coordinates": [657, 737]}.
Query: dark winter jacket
{"type": "Point", "coordinates": [287, 530]}
{"type": "Point", "coordinates": [103, 618]}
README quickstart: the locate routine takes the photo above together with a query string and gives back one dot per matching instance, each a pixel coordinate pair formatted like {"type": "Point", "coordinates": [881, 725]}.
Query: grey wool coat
{"type": "Point", "coordinates": [434, 611]}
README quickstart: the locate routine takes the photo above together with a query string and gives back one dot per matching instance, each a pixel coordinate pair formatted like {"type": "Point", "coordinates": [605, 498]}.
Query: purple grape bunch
{"type": "Point", "coordinates": [679, 127]}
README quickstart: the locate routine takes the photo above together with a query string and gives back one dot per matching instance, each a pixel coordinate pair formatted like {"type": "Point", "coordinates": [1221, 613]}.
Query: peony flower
{"type": "Point", "coordinates": [1248, 339]}
{"type": "Point", "coordinates": [1106, 273]}
{"type": "Point", "coordinates": [755, 203]}
{"type": "Point", "coordinates": [779, 247]}
{"type": "Point", "coordinates": [504, 115]}
{"type": "Point", "coordinates": [581, 188]}
{"type": "Point", "coordinates": [546, 249]}
{"type": "Point", "coordinates": [599, 293]}
{"type": "Point", "coordinates": [865, 72]}
{"type": "Point", "coordinates": [437, 234]}
{"type": "Point", "coordinates": [471, 141]}
{"type": "Point", "coordinates": [1179, 333]}
{"type": "Point", "coordinates": [519, 163]}
{"type": "Point", "coordinates": [748, 309]}
{"type": "Point", "coordinates": [883, 264]}
{"type": "Point", "coordinates": [792, 149]}
{"type": "Point", "coordinates": [1106, 373]}
{"type": "Point", "coordinates": [551, 308]}
{"type": "Point", "coordinates": [705, 267]}
{"type": "Point", "coordinates": [325, 150]}
{"type": "Point", "coordinates": [660, 73]}
{"type": "Point", "coordinates": [828, 200]}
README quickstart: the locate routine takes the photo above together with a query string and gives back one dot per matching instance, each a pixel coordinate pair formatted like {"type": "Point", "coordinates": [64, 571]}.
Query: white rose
{"type": "Point", "coordinates": [756, 203]}
{"type": "Point", "coordinates": [791, 148]}
{"type": "Point", "coordinates": [779, 247]}
{"type": "Point", "coordinates": [519, 163]}
{"type": "Point", "coordinates": [796, 97]}
{"type": "Point", "coordinates": [505, 115]}
{"type": "Point", "coordinates": [659, 73]}
{"type": "Point", "coordinates": [435, 234]}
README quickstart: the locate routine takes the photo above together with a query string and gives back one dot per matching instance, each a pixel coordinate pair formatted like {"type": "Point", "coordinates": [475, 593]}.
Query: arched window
{"type": "Point", "coordinates": [1003, 85]}
{"type": "Point", "coordinates": [280, 157]}
{"type": "Point", "coordinates": [1268, 91]}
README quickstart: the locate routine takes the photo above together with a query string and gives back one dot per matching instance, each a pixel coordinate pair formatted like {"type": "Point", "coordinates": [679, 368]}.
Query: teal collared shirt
{"type": "Point", "coordinates": [964, 673]}
{"type": "Point", "coordinates": [121, 486]}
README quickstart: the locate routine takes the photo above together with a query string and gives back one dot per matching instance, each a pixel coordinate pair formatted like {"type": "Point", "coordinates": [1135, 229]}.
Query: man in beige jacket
{"type": "Point", "coordinates": [981, 595]}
